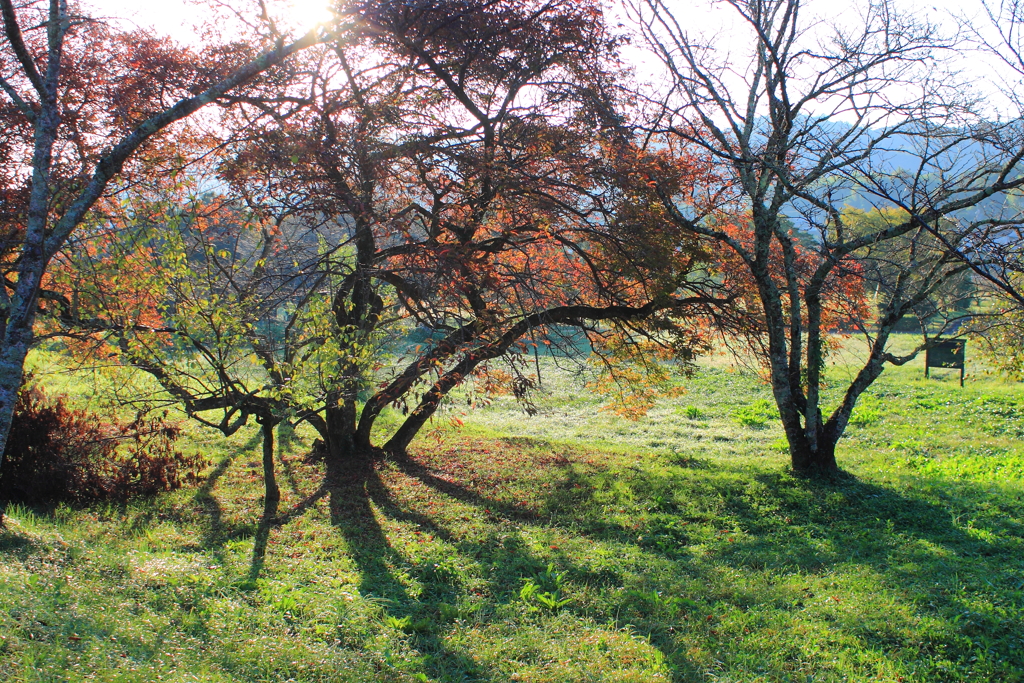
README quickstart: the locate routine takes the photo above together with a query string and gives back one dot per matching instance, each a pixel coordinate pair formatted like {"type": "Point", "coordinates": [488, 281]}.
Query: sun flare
{"type": "Point", "coordinates": [306, 14]}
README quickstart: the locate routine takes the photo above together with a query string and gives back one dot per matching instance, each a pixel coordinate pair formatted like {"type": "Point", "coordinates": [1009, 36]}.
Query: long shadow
{"type": "Point", "coordinates": [381, 496]}
{"type": "Point", "coordinates": [810, 527]}
{"type": "Point", "coordinates": [300, 508]}
{"type": "Point", "coordinates": [574, 489]}
{"type": "Point", "coordinates": [215, 534]}
{"type": "Point", "coordinates": [352, 496]}
{"type": "Point", "coordinates": [353, 515]}
{"type": "Point", "coordinates": [816, 525]}
{"type": "Point", "coordinates": [430, 477]}
{"type": "Point", "coordinates": [561, 509]}
{"type": "Point", "coordinates": [259, 547]}
{"type": "Point", "coordinates": [16, 545]}
{"type": "Point", "coordinates": [501, 549]}
{"type": "Point", "coordinates": [210, 506]}
{"type": "Point", "coordinates": [830, 510]}
{"type": "Point", "coordinates": [269, 521]}
{"type": "Point", "coordinates": [286, 443]}
{"type": "Point", "coordinates": [831, 506]}
{"type": "Point", "coordinates": [835, 507]}
{"type": "Point", "coordinates": [512, 559]}
{"type": "Point", "coordinates": [574, 492]}
{"type": "Point", "coordinates": [358, 499]}
{"type": "Point", "coordinates": [946, 574]}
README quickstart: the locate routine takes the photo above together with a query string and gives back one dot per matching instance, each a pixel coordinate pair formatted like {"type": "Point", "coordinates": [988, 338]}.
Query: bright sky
{"type": "Point", "coordinates": [177, 18]}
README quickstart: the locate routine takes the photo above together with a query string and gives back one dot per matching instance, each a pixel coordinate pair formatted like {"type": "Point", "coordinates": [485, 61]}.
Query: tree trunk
{"type": "Point", "coordinates": [272, 494]}
{"type": "Point", "coordinates": [819, 460]}
{"type": "Point", "coordinates": [810, 456]}
{"type": "Point", "coordinates": [16, 339]}
{"type": "Point", "coordinates": [346, 452]}
{"type": "Point", "coordinates": [13, 350]}
{"type": "Point", "coordinates": [432, 399]}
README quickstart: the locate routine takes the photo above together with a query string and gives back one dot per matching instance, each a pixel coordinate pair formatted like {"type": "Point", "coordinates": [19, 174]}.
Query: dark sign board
{"type": "Point", "coordinates": [948, 353]}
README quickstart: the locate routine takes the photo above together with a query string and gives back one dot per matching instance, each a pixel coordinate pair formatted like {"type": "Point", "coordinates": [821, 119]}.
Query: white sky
{"type": "Point", "coordinates": [177, 18]}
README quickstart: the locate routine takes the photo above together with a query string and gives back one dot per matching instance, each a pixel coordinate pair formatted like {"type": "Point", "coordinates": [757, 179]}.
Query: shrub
{"type": "Point", "coordinates": [57, 453]}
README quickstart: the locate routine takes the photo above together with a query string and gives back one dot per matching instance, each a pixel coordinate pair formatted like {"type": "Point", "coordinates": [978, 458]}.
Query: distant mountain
{"type": "Point", "coordinates": [900, 161]}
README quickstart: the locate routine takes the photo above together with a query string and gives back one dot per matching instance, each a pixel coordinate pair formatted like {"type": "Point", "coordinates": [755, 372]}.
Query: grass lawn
{"type": "Point", "coordinates": [566, 546]}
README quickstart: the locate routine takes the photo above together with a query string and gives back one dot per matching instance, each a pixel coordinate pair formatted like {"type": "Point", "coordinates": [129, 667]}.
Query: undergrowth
{"type": "Point", "coordinates": [58, 453]}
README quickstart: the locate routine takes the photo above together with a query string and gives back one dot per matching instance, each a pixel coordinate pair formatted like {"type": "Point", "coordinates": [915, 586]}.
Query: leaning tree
{"type": "Point", "coordinates": [803, 115]}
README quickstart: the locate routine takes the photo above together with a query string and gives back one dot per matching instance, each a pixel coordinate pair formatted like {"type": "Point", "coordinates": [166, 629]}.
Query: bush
{"type": "Point", "coordinates": [56, 453]}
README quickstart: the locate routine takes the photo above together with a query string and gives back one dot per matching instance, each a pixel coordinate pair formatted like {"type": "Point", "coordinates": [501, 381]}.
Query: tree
{"type": "Point", "coordinates": [820, 115]}
{"type": "Point", "coordinates": [228, 310]}
{"type": "Point", "coordinates": [82, 100]}
{"type": "Point", "coordinates": [450, 158]}
{"type": "Point", "coordinates": [996, 255]}
{"type": "Point", "coordinates": [483, 199]}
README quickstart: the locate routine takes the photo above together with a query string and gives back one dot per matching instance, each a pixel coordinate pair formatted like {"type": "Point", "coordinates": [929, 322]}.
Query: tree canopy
{"type": "Point", "coordinates": [485, 175]}
{"type": "Point", "coordinates": [465, 183]}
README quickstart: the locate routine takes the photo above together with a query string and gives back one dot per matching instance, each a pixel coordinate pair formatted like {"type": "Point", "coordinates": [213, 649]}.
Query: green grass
{"type": "Point", "coordinates": [566, 546]}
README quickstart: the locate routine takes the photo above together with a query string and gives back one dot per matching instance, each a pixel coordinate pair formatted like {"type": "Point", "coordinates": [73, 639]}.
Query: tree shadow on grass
{"type": "Point", "coordinates": [933, 548]}
{"type": "Point", "coordinates": [515, 560]}
{"type": "Point", "coordinates": [422, 592]}
{"type": "Point", "coordinates": [775, 525]}
{"type": "Point", "coordinates": [783, 502]}
{"type": "Point", "coordinates": [436, 481]}
{"type": "Point", "coordinates": [15, 544]}
{"type": "Point", "coordinates": [270, 520]}
{"type": "Point", "coordinates": [352, 497]}
{"type": "Point", "coordinates": [708, 526]}
{"type": "Point", "coordinates": [216, 533]}
{"type": "Point", "coordinates": [289, 444]}
{"type": "Point", "coordinates": [850, 509]}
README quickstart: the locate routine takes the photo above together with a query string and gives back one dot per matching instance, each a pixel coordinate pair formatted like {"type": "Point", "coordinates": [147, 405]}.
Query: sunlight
{"type": "Point", "coordinates": [305, 14]}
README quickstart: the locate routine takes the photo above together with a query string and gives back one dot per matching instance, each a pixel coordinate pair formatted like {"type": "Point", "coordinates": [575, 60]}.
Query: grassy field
{"type": "Point", "coordinates": [566, 546]}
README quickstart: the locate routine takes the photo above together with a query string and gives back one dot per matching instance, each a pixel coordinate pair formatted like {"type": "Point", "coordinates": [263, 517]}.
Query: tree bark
{"type": "Point", "coordinates": [344, 451]}
{"type": "Point", "coordinates": [272, 493]}
{"type": "Point", "coordinates": [12, 366]}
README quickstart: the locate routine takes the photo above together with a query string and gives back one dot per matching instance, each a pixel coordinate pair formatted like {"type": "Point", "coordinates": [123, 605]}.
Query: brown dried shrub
{"type": "Point", "coordinates": [57, 453]}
